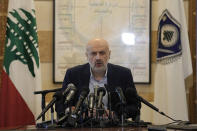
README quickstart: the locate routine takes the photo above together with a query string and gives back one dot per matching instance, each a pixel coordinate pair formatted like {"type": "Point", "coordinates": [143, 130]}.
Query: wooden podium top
{"type": "Point", "coordinates": [78, 129]}
{"type": "Point", "coordinates": [156, 128]}
{"type": "Point", "coordinates": [99, 129]}
{"type": "Point", "coordinates": [94, 129]}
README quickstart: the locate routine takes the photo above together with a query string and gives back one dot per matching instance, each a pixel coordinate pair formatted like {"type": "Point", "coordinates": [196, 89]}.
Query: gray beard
{"type": "Point", "coordinates": [100, 69]}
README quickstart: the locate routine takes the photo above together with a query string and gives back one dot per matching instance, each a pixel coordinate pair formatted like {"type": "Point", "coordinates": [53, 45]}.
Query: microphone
{"type": "Point", "coordinates": [147, 103]}
{"type": "Point", "coordinates": [133, 92]}
{"type": "Point", "coordinates": [57, 96]}
{"type": "Point", "coordinates": [72, 92]}
{"type": "Point", "coordinates": [83, 95]}
{"type": "Point", "coordinates": [100, 92]}
{"type": "Point", "coordinates": [95, 93]}
{"type": "Point", "coordinates": [73, 117]}
{"type": "Point", "coordinates": [68, 88]}
{"type": "Point", "coordinates": [108, 89]}
{"type": "Point", "coordinates": [91, 102]}
{"type": "Point", "coordinates": [130, 106]}
{"type": "Point", "coordinates": [121, 95]}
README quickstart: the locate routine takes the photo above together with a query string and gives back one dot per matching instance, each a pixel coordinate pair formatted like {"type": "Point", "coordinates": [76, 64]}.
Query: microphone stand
{"type": "Point", "coordinates": [122, 114]}
{"type": "Point", "coordinates": [53, 124]}
{"type": "Point", "coordinates": [111, 120]}
{"type": "Point", "coordinates": [154, 108]}
{"type": "Point", "coordinates": [109, 100]}
{"type": "Point", "coordinates": [52, 115]}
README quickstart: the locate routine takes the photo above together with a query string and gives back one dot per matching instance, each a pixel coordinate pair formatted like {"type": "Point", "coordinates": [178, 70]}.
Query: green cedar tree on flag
{"type": "Point", "coordinates": [173, 62]}
{"type": "Point", "coordinates": [21, 66]}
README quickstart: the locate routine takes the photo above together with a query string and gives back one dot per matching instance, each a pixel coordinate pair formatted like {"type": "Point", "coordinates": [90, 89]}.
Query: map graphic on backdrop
{"type": "Point", "coordinates": [77, 21]}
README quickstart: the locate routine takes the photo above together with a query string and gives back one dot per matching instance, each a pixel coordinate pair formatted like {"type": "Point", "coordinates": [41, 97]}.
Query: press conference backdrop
{"type": "Point", "coordinates": [124, 24]}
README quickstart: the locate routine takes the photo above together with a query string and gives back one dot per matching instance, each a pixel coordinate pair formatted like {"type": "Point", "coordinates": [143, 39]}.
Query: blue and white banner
{"type": "Point", "coordinates": [173, 62]}
{"type": "Point", "coordinates": [169, 42]}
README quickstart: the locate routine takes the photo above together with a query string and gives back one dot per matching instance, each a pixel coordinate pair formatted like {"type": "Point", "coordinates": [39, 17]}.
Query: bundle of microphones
{"type": "Point", "coordinates": [89, 109]}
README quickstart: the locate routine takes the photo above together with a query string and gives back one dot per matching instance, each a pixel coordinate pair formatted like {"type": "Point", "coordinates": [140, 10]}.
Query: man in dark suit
{"type": "Point", "coordinates": [98, 72]}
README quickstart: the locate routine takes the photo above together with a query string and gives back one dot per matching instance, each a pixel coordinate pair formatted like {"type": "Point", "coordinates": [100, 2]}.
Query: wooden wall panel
{"type": "Point", "coordinates": [3, 6]}
{"type": "Point", "coordinates": [153, 46]}
{"type": "Point", "coordinates": [192, 39]}
{"type": "Point", "coordinates": [45, 39]}
{"type": "Point", "coordinates": [3, 15]}
{"type": "Point", "coordinates": [148, 96]}
{"type": "Point", "coordinates": [2, 33]}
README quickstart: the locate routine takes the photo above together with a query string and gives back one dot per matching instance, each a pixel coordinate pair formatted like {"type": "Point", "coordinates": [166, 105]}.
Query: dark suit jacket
{"type": "Point", "coordinates": [117, 76]}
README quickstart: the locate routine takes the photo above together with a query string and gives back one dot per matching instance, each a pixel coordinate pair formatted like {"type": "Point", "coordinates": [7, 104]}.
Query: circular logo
{"type": "Point", "coordinates": [169, 35]}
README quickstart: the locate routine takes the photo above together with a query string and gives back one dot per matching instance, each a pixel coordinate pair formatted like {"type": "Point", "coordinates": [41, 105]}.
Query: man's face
{"type": "Point", "coordinates": [98, 56]}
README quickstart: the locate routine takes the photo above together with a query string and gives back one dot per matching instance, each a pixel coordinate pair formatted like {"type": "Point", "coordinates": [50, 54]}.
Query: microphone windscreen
{"type": "Point", "coordinates": [101, 89]}
{"type": "Point", "coordinates": [131, 91]}
{"type": "Point", "coordinates": [73, 88]}
{"type": "Point", "coordinates": [58, 95]}
{"type": "Point", "coordinates": [131, 95]}
{"type": "Point", "coordinates": [69, 86]}
{"type": "Point", "coordinates": [121, 95]}
{"type": "Point", "coordinates": [85, 91]}
{"type": "Point", "coordinates": [71, 93]}
{"type": "Point", "coordinates": [131, 111]}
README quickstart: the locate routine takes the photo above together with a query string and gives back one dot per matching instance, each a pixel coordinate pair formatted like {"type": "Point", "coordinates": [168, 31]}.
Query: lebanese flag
{"type": "Point", "coordinates": [21, 67]}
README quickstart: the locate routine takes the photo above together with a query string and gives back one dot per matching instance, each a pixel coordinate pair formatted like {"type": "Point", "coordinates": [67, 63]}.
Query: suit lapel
{"type": "Point", "coordinates": [86, 75]}
{"type": "Point", "coordinates": [110, 76]}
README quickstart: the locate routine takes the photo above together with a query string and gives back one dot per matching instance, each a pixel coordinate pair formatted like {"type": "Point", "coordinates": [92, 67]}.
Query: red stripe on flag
{"type": "Point", "coordinates": [13, 109]}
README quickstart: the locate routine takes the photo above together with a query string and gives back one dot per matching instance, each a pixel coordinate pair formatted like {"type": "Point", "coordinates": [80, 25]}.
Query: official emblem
{"type": "Point", "coordinates": [169, 42]}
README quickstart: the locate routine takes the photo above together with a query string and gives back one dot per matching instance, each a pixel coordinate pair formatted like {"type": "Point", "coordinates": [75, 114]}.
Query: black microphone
{"type": "Point", "coordinates": [131, 109]}
{"type": "Point", "coordinates": [121, 95]}
{"type": "Point", "coordinates": [101, 92]}
{"type": "Point", "coordinates": [95, 94]}
{"type": "Point", "coordinates": [57, 96]}
{"type": "Point", "coordinates": [71, 93]}
{"type": "Point", "coordinates": [147, 103]}
{"type": "Point", "coordinates": [133, 92]}
{"type": "Point", "coordinates": [91, 102]}
{"type": "Point", "coordinates": [108, 89]}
